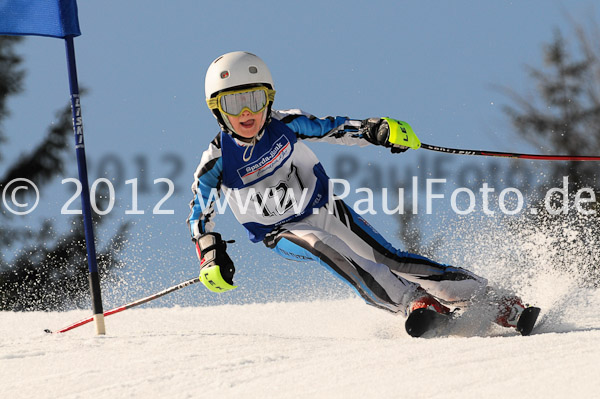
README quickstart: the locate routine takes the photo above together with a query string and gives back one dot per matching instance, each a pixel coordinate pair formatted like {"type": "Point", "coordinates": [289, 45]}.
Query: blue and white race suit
{"type": "Point", "coordinates": [279, 191]}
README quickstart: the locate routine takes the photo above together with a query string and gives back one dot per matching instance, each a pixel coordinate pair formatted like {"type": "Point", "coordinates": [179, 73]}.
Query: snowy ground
{"type": "Point", "coordinates": [324, 349]}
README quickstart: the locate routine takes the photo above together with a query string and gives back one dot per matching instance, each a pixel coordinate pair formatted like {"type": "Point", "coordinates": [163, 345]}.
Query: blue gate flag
{"type": "Point", "coordinates": [54, 18]}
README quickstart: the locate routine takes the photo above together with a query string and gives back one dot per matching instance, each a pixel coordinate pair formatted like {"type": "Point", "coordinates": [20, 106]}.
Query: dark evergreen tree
{"type": "Point", "coordinates": [563, 117]}
{"type": "Point", "coordinates": [48, 270]}
{"type": "Point", "coordinates": [11, 76]}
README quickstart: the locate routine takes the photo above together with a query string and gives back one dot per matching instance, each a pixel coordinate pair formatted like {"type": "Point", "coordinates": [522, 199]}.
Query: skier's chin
{"type": "Point", "coordinates": [248, 132]}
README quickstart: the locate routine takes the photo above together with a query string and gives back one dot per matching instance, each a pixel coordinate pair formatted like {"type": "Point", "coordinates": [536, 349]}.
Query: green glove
{"type": "Point", "coordinates": [401, 134]}
{"type": "Point", "coordinates": [391, 133]}
{"type": "Point", "coordinates": [216, 267]}
{"type": "Point", "coordinates": [211, 277]}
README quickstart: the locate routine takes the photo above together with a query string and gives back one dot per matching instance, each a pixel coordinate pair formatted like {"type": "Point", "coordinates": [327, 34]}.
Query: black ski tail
{"type": "Point", "coordinates": [423, 321]}
{"type": "Point", "coordinates": [527, 320]}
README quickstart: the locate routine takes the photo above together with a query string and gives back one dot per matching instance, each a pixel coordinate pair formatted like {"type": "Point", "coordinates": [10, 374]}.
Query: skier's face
{"type": "Point", "coordinates": [248, 124]}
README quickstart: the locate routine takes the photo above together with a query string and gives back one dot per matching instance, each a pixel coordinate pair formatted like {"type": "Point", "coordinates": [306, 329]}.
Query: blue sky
{"type": "Point", "coordinates": [432, 64]}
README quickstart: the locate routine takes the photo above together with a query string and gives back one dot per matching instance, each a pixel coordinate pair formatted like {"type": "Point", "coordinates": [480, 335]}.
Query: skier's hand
{"type": "Point", "coordinates": [391, 133]}
{"type": "Point", "coordinates": [216, 267]}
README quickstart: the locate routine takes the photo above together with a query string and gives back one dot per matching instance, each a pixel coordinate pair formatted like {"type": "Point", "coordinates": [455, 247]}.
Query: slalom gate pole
{"type": "Point", "coordinates": [128, 306]}
{"type": "Point", "coordinates": [509, 154]}
{"type": "Point", "coordinates": [93, 276]}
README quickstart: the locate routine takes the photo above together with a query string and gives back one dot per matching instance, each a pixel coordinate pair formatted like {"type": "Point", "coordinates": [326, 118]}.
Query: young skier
{"type": "Point", "coordinates": [279, 191]}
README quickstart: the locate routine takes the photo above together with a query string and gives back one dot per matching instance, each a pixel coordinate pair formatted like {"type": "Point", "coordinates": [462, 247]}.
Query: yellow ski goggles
{"type": "Point", "coordinates": [233, 103]}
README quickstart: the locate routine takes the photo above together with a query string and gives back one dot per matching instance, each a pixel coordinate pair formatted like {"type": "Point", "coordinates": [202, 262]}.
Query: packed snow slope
{"type": "Point", "coordinates": [321, 349]}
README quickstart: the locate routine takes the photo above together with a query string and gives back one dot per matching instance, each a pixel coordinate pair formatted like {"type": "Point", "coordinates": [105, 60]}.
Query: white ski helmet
{"type": "Point", "coordinates": [236, 69]}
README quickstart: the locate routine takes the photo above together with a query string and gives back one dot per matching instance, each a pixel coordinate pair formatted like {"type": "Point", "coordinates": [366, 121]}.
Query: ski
{"type": "Point", "coordinates": [527, 320]}
{"type": "Point", "coordinates": [429, 323]}
{"type": "Point", "coordinates": [426, 321]}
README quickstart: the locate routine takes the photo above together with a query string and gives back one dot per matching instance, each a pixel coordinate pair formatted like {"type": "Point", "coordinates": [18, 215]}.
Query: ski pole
{"type": "Point", "coordinates": [128, 306]}
{"type": "Point", "coordinates": [509, 154]}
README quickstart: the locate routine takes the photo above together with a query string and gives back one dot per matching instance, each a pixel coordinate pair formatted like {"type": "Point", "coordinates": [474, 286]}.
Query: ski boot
{"type": "Point", "coordinates": [426, 301]}
{"type": "Point", "coordinates": [425, 314]}
{"type": "Point", "coordinates": [513, 314]}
